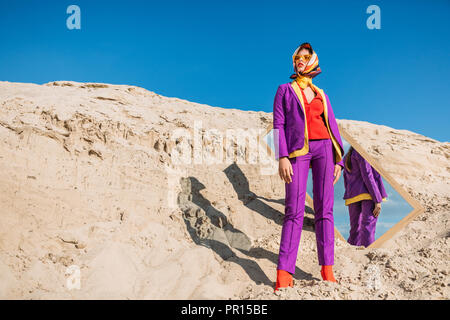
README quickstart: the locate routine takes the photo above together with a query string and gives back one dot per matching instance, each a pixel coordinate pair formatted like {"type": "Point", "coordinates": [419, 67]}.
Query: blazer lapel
{"type": "Point", "coordinates": [298, 95]}
{"type": "Point", "coordinates": [327, 121]}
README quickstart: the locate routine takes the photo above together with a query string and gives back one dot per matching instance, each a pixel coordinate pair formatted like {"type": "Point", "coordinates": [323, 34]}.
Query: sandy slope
{"type": "Point", "coordinates": [88, 180]}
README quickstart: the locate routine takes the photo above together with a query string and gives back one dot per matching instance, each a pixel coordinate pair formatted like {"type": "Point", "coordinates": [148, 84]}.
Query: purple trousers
{"type": "Point", "coordinates": [320, 156]}
{"type": "Point", "coordinates": [362, 223]}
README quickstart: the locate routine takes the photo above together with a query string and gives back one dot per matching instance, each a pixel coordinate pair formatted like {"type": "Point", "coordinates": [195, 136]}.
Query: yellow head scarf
{"type": "Point", "coordinates": [312, 69]}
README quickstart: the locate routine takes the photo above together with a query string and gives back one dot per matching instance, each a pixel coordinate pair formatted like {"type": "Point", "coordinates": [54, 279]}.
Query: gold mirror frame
{"type": "Point", "coordinates": [417, 207]}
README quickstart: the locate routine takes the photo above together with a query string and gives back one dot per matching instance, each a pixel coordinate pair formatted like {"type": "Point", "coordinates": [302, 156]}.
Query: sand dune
{"type": "Point", "coordinates": [89, 187]}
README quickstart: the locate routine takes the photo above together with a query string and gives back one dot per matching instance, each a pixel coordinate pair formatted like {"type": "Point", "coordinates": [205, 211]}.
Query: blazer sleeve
{"type": "Point", "coordinates": [279, 136]}
{"type": "Point", "coordinates": [341, 163]}
{"type": "Point", "coordinates": [379, 181]}
{"type": "Point", "coordinates": [368, 178]}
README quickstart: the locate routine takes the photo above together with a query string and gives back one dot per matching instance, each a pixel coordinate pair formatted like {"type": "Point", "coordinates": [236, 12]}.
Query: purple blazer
{"type": "Point", "coordinates": [289, 123]}
{"type": "Point", "coordinates": [362, 179]}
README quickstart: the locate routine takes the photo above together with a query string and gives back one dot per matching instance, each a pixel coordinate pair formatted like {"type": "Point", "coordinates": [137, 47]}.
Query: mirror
{"type": "Point", "coordinates": [397, 207]}
{"type": "Point", "coordinates": [353, 216]}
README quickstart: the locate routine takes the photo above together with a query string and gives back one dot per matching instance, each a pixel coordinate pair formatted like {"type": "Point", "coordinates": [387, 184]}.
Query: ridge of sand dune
{"type": "Point", "coordinates": [87, 180]}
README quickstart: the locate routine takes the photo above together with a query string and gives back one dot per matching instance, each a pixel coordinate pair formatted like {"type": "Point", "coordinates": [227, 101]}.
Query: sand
{"type": "Point", "coordinates": [94, 205]}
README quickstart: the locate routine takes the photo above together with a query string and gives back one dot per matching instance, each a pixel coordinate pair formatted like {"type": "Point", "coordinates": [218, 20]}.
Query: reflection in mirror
{"type": "Point", "coordinates": [268, 139]}
{"type": "Point", "coordinates": [354, 205]}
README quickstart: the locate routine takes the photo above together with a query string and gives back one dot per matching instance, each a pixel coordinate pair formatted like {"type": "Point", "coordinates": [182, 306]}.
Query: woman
{"type": "Point", "coordinates": [306, 135]}
{"type": "Point", "coordinates": [364, 191]}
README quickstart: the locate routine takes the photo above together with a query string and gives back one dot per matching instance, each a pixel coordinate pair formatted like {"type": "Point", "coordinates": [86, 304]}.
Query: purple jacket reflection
{"type": "Point", "coordinates": [363, 182]}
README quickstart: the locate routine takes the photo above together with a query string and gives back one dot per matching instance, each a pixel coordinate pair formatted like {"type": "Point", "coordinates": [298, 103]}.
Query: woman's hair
{"type": "Point", "coordinates": [348, 162]}
{"type": "Point", "coordinates": [307, 46]}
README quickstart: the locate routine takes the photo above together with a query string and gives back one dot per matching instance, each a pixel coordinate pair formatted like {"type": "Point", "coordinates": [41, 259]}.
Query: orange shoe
{"type": "Point", "coordinates": [284, 279]}
{"type": "Point", "coordinates": [327, 273]}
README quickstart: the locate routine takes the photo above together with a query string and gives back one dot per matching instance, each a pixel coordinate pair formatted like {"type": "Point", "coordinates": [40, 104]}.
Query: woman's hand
{"type": "Point", "coordinates": [377, 209]}
{"type": "Point", "coordinates": [337, 173]}
{"type": "Point", "coordinates": [285, 169]}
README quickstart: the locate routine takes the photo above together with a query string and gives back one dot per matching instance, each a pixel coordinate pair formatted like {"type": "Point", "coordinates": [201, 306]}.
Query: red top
{"type": "Point", "coordinates": [314, 112]}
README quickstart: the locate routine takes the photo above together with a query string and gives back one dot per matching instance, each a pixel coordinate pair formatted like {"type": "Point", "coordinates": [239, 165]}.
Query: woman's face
{"type": "Point", "coordinates": [300, 63]}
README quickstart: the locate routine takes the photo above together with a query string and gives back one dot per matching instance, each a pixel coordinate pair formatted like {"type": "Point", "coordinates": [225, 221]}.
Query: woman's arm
{"type": "Point", "coordinates": [279, 136]}
{"type": "Point", "coordinates": [369, 181]}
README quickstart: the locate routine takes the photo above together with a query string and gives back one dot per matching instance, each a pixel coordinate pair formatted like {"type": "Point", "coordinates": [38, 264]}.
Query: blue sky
{"type": "Point", "coordinates": [234, 54]}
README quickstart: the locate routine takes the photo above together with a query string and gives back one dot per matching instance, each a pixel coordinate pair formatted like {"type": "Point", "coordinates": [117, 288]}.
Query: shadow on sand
{"type": "Point", "coordinates": [210, 227]}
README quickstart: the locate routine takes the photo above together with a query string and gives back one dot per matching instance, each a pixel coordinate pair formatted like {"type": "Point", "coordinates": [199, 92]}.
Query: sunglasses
{"type": "Point", "coordinates": [304, 57]}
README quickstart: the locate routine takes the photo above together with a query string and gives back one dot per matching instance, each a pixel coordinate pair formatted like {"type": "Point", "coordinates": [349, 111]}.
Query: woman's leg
{"type": "Point", "coordinates": [368, 222]}
{"type": "Point", "coordinates": [354, 211]}
{"type": "Point", "coordinates": [323, 197]}
{"type": "Point", "coordinates": [293, 214]}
